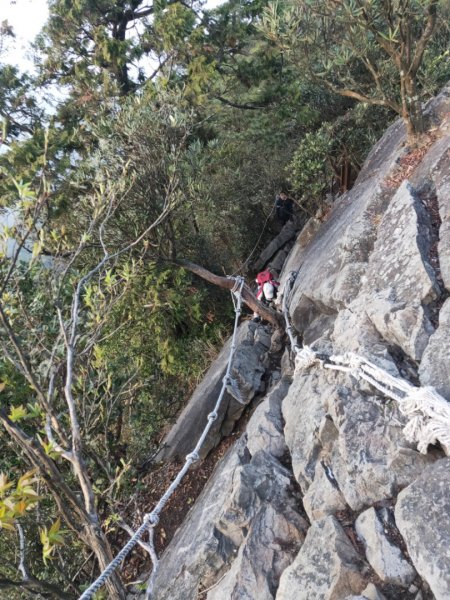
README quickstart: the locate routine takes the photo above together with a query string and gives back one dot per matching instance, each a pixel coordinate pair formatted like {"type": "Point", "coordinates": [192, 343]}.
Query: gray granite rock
{"type": "Point", "coordinates": [370, 593]}
{"type": "Point", "coordinates": [399, 274]}
{"type": "Point", "coordinates": [295, 258]}
{"type": "Point", "coordinates": [442, 182]}
{"type": "Point", "coordinates": [371, 459]}
{"type": "Point", "coordinates": [386, 559]}
{"type": "Point", "coordinates": [303, 410]}
{"type": "Point", "coordinates": [288, 232]}
{"type": "Point", "coordinates": [384, 155]}
{"type": "Point", "coordinates": [437, 109]}
{"type": "Point", "coordinates": [402, 323]}
{"type": "Point", "coordinates": [249, 366]}
{"type": "Point", "coordinates": [434, 368]}
{"type": "Point", "coordinates": [422, 514]}
{"type": "Point", "coordinates": [354, 332]}
{"type": "Point", "coordinates": [432, 162]}
{"type": "Point", "coordinates": [247, 503]}
{"type": "Point", "coordinates": [332, 264]}
{"type": "Point", "coordinates": [323, 496]}
{"type": "Point", "coordinates": [265, 428]}
{"type": "Point", "coordinates": [367, 460]}
{"type": "Point", "coordinates": [326, 568]}
{"type": "Point", "coordinates": [198, 551]}
{"type": "Point", "coordinates": [269, 548]}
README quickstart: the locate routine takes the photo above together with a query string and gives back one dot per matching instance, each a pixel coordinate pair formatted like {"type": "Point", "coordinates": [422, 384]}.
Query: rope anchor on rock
{"type": "Point", "coordinates": [428, 412]}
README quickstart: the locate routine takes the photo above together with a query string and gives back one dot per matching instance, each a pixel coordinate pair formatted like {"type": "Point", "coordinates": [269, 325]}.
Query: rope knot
{"type": "Point", "coordinates": [304, 358]}
{"type": "Point", "coordinates": [238, 283]}
{"type": "Point", "coordinates": [213, 416]}
{"type": "Point", "coordinates": [152, 519]}
{"type": "Point", "coordinates": [412, 400]}
{"type": "Point", "coordinates": [193, 457]}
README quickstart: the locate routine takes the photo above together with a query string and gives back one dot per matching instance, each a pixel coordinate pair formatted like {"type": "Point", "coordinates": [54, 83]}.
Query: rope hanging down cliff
{"type": "Point", "coordinates": [428, 412]}
{"type": "Point", "coordinates": [152, 519]}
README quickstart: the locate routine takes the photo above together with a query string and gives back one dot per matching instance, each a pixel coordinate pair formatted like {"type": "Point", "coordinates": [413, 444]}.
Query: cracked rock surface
{"type": "Point", "coordinates": [422, 515]}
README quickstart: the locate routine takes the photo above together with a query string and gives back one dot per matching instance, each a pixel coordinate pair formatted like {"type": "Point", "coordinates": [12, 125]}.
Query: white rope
{"type": "Point", "coordinates": [152, 519]}
{"type": "Point", "coordinates": [427, 411]}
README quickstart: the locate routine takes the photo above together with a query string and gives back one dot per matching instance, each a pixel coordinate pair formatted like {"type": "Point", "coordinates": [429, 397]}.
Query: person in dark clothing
{"type": "Point", "coordinates": [284, 207]}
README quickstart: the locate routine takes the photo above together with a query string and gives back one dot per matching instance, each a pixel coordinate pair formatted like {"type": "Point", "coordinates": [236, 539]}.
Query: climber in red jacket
{"type": "Point", "coordinates": [267, 290]}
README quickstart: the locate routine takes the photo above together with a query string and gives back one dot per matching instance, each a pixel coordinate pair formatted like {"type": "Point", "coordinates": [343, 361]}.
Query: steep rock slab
{"type": "Point", "coordinates": [385, 558]}
{"type": "Point", "coordinates": [269, 548]}
{"type": "Point", "coordinates": [288, 232]}
{"type": "Point", "coordinates": [265, 428]}
{"type": "Point", "coordinates": [364, 457]}
{"type": "Point", "coordinates": [442, 182]}
{"type": "Point", "coordinates": [198, 552]}
{"type": "Point", "coordinates": [422, 514]}
{"type": "Point", "coordinates": [433, 160]}
{"type": "Point", "coordinates": [244, 499]}
{"type": "Point", "coordinates": [249, 364]}
{"type": "Point", "coordinates": [295, 258]}
{"type": "Point", "coordinates": [326, 568]}
{"type": "Point", "coordinates": [371, 459]}
{"type": "Point", "coordinates": [384, 155]}
{"type": "Point", "coordinates": [400, 275]}
{"type": "Point", "coordinates": [354, 332]}
{"type": "Point", "coordinates": [434, 368]}
{"type": "Point", "coordinates": [303, 410]}
{"type": "Point", "coordinates": [248, 369]}
{"type": "Point", "coordinates": [331, 256]}
{"type": "Point", "coordinates": [333, 263]}
{"type": "Point", "coordinates": [323, 497]}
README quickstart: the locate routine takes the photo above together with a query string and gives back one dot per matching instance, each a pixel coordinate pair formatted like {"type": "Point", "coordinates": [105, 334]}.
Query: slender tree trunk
{"type": "Point", "coordinates": [411, 108]}
{"type": "Point", "coordinates": [100, 546]}
{"type": "Point", "coordinates": [85, 526]}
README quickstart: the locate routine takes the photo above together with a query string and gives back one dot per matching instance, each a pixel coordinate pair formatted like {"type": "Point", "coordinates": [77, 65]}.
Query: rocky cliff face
{"type": "Point", "coordinates": [322, 498]}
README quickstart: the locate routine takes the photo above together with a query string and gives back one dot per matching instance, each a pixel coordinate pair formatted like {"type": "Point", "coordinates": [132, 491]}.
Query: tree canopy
{"type": "Point", "coordinates": [171, 129]}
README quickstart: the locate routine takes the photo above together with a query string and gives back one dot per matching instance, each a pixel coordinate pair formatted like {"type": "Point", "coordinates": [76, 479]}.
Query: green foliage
{"type": "Point", "coordinates": [19, 111]}
{"type": "Point", "coordinates": [321, 153]}
{"type": "Point", "coordinates": [370, 51]}
{"type": "Point", "coordinates": [50, 539]}
{"type": "Point", "coordinates": [173, 25]}
{"type": "Point", "coordinates": [309, 168]}
{"type": "Point", "coordinates": [234, 111]}
{"type": "Point", "coordinates": [15, 503]}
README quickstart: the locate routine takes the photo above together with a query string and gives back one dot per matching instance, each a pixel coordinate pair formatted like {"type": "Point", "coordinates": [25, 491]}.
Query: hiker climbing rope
{"type": "Point", "coordinates": [428, 412]}
{"type": "Point", "coordinates": [152, 519]}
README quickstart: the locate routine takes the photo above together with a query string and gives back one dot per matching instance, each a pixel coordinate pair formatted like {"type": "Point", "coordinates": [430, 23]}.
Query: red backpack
{"type": "Point", "coordinates": [264, 277]}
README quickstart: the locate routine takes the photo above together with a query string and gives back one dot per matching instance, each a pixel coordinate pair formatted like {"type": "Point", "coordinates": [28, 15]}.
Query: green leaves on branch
{"type": "Point", "coordinates": [51, 539]}
{"type": "Point", "coordinates": [15, 504]}
{"type": "Point", "coordinates": [309, 168]}
{"type": "Point", "coordinates": [370, 51]}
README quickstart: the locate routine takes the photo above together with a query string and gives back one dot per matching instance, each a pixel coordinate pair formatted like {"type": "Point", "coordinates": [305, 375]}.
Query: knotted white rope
{"type": "Point", "coordinates": [427, 411]}
{"type": "Point", "coordinates": [152, 519]}
{"type": "Point", "coordinates": [304, 358]}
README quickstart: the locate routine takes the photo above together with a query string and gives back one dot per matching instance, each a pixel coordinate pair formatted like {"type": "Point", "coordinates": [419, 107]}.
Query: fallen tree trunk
{"type": "Point", "coordinates": [228, 283]}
